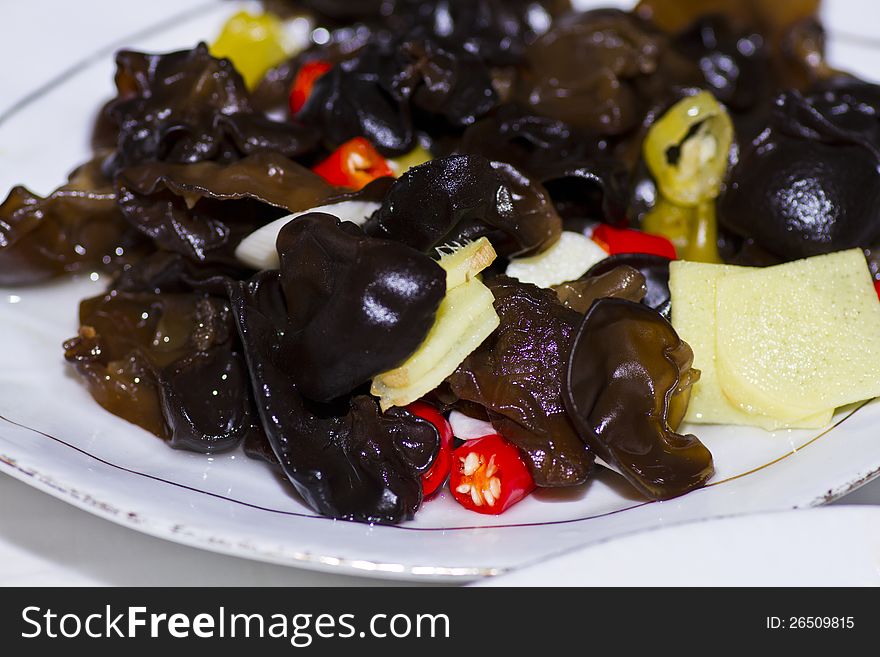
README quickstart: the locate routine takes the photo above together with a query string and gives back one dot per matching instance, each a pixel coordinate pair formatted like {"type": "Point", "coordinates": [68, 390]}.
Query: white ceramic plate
{"type": "Point", "coordinates": [831, 546]}
{"type": "Point", "coordinates": [55, 437]}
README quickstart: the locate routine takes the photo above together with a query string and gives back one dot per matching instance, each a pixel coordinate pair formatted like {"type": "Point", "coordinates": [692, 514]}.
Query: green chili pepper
{"type": "Point", "coordinates": [692, 230]}
{"type": "Point", "coordinates": [687, 152]}
{"type": "Point", "coordinates": [687, 149]}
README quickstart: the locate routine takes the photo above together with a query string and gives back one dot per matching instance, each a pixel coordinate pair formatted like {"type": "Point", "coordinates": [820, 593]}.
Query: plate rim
{"type": "Point", "coordinates": [853, 509]}
{"type": "Point", "coordinates": [219, 542]}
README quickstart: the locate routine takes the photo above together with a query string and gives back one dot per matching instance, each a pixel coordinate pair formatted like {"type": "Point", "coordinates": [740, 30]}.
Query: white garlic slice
{"type": "Point", "coordinates": [258, 250]}
{"type": "Point", "coordinates": [568, 259]}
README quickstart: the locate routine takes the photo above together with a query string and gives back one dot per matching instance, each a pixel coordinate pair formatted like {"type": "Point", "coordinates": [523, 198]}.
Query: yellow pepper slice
{"type": "Point", "coordinates": [692, 230]}
{"type": "Point", "coordinates": [415, 157]}
{"type": "Point", "coordinates": [253, 43]}
{"type": "Point", "coordinates": [687, 149]}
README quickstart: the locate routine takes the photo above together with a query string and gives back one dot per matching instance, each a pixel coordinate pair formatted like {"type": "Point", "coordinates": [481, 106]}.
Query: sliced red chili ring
{"type": "Point", "coordinates": [488, 475]}
{"type": "Point", "coordinates": [627, 240]}
{"type": "Point", "coordinates": [353, 165]}
{"type": "Point", "coordinates": [305, 79]}
{"type": "Point", "coordinates": [434, 478]}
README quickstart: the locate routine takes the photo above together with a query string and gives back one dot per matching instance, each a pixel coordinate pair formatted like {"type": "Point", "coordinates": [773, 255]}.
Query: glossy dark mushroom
{"type": "Point", "coordinates": [517, 376]}
{"type": "Point", "coordinates": [724, 33]}
{"type": "Point", "coordinates": [204, 210]}
{"type": "Point", "coordinates": [619, 281]}
{"type": "Point", "coordinates": [170, 363]}
{"type": "Point", "coordinates": [165, 271]}
{"type": "Point", "coordinates": [734, 63]}
{"type": "Point", "coordinates": [575, 166]}
{"type": "Point", "coordinates": [345, 459]}
{"type": "Point", "coordinates": [350, 101]}
{"type": "Point", "coordinates": [186, 107]}
{"type": "Point", "coordinates": [357, 306]}
{"type": "Point", "coordinates": [390, 89]}
{"type": "Point", "coordinates": [654, 270]}
{"type": "Point", "coordinates": [588, 191]}
{"type": "Point", "coordinates": [806, 185]}
{"type": "Point", "coordinates": [626, 390]}
{"type": "Point", "coordinates": [601, 70]}
{"type": "Point", "coordinates": [499, 30]}
{"type": "Point", "coordinates": [514, 133]}
{"type": "Point", "coordinates": [76, 228]}
{"type": "Point", "coordinates": [464, 197]}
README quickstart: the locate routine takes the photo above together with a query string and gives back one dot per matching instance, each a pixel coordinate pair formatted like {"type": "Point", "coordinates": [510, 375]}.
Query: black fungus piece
{"type": "Point", "coordinates": [343, 10]}
{"type": "Point", "coordinates": [357, 306]}
{"type": "Point", "coordinates": [390, 89]}
{"type": "Point", "coordinates": [165, 271]}
{"type": "Point", "coordinates": [620, 281]}
{"type": "Point", "coordinates": [515, 134]}
{"type": "Point", "coordinates": [588, 191]}
{"type": "Point", "coordinates": [735, 64]}
{"type": "Point", "coordinates": [789, 33]}
{"type": "Point", "coordinates": [251, 132]}
{"type": "Point", "coordinates": [453, 84]}
{"type": "Point", "coordinates": [517, 376]}
{"type": "Point", "coordinates": [170, 363]}
{"type": "Point", "coordinates": [256, 446]}
{"type": "Point", "coordinates": [497, 30]}
{"type": "Point", "coordinates": [204, 210]}
{"type": "Point", "coordinates": [807, 183]}
{"type": "Point", "coordinates": [75, 228]}
{"type": "Point", "coordinates": [537, 222]}
{"type": "Point", "coordinates": [584, 181]}
{"type": "Point", "coordinates": [186, 107]}
{"type": "Point", "coordinates": [353, 99]}
{"type": "Point", "coordinates": [345, 459]}
{"type": "Point", "coordinates": [746, 56]}
{"type": "Point", "coordinates": [654, 269]}
{"type": "Point", "coordinates": [465, 197]}
{"type": "Point", "coordinates": [626, 390]}
{"type": "Point", "coordinates": [601, 70]}
{"type": "Point", "coordinates": [205, 400]}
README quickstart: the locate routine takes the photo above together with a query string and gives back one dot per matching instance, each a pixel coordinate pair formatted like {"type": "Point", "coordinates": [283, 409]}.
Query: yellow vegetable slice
{"type": "Point", "coordinates": [462, 263]}
{"type": "Point", "coordinates": [254, 43]}
{"type": "Point", "coordinates": [800, 336]}
{"type": "Point", "coordinates": [400, 165]}
{"type": "Point", "coordinates": [692, 230]}
{"type": "Point", "coordinates": [465, 318]}
{"type": "Point", "coordinates": [692, 286]}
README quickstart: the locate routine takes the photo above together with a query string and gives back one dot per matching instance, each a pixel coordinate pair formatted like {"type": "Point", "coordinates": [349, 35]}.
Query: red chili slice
{"type": "Point", "coordinates": [627, 240]}
{"type": "Point", "coordinates": [353, 165]}
{"type": "Point", "coordinates": [877, 287]}
{"type": "Point", "coordinates": [488, 475]}
{"type": "Point", "coordinates": [434, 478]}
{"type": "Point", "coordinates": [305, 79]}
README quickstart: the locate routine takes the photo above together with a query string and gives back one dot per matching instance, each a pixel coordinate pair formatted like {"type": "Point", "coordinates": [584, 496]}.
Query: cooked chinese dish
{"type": "Point", "coordinates": [481, 246]}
